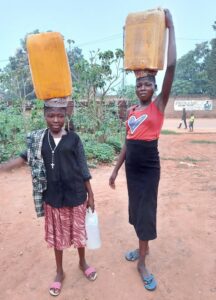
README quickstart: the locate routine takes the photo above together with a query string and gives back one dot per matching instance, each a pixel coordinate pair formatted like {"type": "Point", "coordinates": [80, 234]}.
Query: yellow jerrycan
{"type": "Point", "coordinates": [145, 40]}
{"type": "Point", "coordinates": [49, 65]}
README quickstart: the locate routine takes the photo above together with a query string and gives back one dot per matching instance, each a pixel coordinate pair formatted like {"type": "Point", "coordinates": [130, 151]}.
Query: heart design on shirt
{"type": "Point", "coordinates": [134, 122]}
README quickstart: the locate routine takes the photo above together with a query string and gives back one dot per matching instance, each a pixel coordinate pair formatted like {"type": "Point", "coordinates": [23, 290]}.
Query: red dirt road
{"type": "Point", "coordinates": [182, 258]}
{"type": "Point", "coordinates": [200, 125]}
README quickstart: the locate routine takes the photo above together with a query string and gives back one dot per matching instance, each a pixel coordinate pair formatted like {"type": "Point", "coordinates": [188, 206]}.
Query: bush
{"type": "Point", "coordinates": [100, 151]}
{"type": "Point", "coordinates": [14, 127]}
{"type": "Point", "coordinates": [115, 143]}
{"type": "Point", "coordinates": [167, 132]}
{"type": "Point", "coordinates": [101, 145]}
{"type": "Point", "coordinates": [12, 134]}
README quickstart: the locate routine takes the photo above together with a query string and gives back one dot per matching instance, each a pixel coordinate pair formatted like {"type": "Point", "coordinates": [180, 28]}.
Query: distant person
{"type": "Point", "coordinates": [207, 105]}
{"type": "Point", "coordinates": [141, 157]}
{"type": "Point", "coordinates": [61, 186]}
{"type": "Point", "coordinates": [191, 122]}
{"type": "Point", "coordinates": [183, 119]}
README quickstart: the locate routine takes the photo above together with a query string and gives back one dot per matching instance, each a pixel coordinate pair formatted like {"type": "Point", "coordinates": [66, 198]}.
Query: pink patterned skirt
{"type": "Point", "coordinates": [65, 226]}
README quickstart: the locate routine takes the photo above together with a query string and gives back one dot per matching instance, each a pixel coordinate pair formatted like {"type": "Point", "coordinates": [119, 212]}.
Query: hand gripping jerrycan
{"type": "Point", "coordinates": [92, 229]}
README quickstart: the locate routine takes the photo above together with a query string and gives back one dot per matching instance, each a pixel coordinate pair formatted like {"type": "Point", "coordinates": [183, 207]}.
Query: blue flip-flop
{"type": "Point", "coordinates": [150, 283]}
{"type": "Point", "coordinates": [132, 255]}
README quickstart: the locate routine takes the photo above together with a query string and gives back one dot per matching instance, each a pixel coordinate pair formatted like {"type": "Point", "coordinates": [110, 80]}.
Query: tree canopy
{"type": "Point", "coordinates": [196, 71]}
{"type": "Point", "coordinates": [95, 77]}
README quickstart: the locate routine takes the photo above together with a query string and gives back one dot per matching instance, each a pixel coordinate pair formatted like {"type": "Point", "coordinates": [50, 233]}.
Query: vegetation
{"type": "Point", "coordinates": [167, 132]}
{"type": "Point", "coordinates": [183, 159]}
{"type": "Point", "coordinates": [202, 142]}
{"type": "Point", "coordinates": [97, 121]}
{"type": "Point", "coordinates": [14, 128]}
{"type": "Point", "coordinates": [100, 146]}
{"type": "Point", "coordinates": [196, 71]}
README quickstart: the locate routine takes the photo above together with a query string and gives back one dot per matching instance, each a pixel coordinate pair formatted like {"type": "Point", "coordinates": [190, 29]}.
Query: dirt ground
{"type": "Point", "coordinates": [201, 125]}
{"type": "Point", "coordinates": [182, 257]}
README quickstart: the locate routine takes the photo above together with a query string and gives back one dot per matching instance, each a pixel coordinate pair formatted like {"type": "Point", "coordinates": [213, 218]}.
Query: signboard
{"type": "Point", "coordinates": [192, 105]}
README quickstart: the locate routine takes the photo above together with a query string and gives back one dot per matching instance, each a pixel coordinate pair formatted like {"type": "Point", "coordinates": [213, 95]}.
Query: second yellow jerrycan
{"type": "Point", "coordinates": [49, 65]}
{"type": "Point", "coordinates": [145, 40]}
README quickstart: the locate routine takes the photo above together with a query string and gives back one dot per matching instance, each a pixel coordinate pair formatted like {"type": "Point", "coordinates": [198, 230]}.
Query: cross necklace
{"type": "Point", "coordinates": [52, 152]}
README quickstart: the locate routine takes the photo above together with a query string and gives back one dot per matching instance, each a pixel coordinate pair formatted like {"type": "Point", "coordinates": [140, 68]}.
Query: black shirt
{"type": "Point", "coordinates": [66, 181]}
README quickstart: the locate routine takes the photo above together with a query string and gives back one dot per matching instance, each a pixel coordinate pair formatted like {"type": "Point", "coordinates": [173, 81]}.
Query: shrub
{"type": "Point", "coordinates": [166, 131]}
{"type": "Point", "coordinates": [115, 143]}
{"type": "Point", "coordinates": [102, 140]}
{"type": "Point", "coordinates": [12, 133]}
{"type": "Point", "coordinates": [99, 151]}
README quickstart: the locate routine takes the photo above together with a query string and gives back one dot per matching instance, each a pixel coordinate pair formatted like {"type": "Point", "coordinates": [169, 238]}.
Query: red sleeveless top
{"type": "Point", "coordinates": [144, 124]}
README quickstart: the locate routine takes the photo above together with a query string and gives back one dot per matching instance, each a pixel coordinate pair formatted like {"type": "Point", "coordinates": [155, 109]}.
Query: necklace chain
{"type": "Point", "coordinates": [52, 151]}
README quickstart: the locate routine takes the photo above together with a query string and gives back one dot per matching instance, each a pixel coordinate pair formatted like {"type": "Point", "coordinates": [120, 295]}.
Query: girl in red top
{"type": "Point", "coordinates": [140, 153]}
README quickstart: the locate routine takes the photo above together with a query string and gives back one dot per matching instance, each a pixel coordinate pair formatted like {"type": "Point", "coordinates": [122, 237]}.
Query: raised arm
{"type": "Point", "coordinates": [163, 97]}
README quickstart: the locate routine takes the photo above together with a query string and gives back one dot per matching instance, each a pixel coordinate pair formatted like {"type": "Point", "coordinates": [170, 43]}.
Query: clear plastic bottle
{"type": "Point", "coordinates": [92, 229]}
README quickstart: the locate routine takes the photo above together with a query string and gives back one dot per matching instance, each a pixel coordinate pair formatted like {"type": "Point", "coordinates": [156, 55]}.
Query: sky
{"type": "Point", "coordinates": [94, 24]}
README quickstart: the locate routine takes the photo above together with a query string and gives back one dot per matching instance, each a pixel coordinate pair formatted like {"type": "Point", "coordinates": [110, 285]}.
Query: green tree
{"type": "Point", "coordinates": [128, 93]}
{"type": "Point", "coordinates": [15, 78]}
{"type": "Point", "coordinates": [74, 56]}
{"type": "Point", "coordinates": [211, 66]}
{"type": "Point", "coordinates": [99, 75]}
{"type": "Point", "coordinates": [96, 78]}
{"type": "Point", "coordinates": [191, 73]}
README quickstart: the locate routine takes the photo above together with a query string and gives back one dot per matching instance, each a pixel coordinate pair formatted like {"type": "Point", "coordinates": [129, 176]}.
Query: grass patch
{"type": "Point", "coordinates": [202, 142]}
{"type": "Point", "coordinates": [167, 132]}
{"type": "Point", "coordinates": [185, 159]}
{"type": "Point", "coordinates": [169, 158]}
{"type": "Point", "coordinates": [191, 159]}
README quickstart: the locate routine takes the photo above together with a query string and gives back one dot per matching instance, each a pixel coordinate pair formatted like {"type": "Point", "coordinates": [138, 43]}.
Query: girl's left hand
{"type": "Point", "coordinates": [90, 202]}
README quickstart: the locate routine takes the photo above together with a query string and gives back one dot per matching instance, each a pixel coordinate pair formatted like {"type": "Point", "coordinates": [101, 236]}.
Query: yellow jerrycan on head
{"type": "Point", "coordinates": [49, 65]}
{"type": "Point", "coordinates": [145, 40]}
